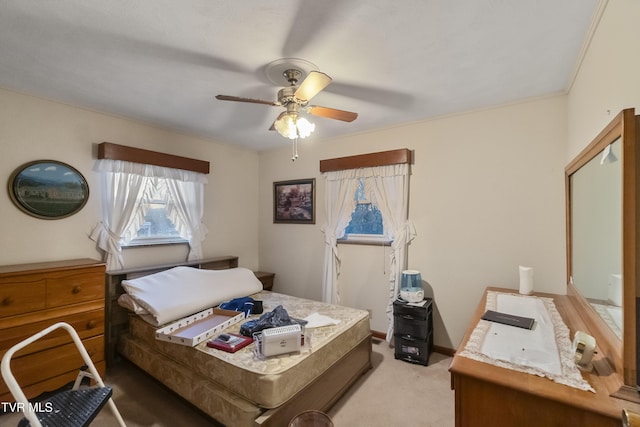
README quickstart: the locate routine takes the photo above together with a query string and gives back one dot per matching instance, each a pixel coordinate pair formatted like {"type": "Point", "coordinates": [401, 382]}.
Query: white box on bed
{"type": "Point", "coordinates": [194, 329]}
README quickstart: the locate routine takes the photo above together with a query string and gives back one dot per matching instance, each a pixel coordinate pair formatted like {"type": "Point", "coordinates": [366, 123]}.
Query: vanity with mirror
{"type": "Point", "coordinates": [596, 234]}
{"type": "Point", "coordinates": [602, 210]}
{"type": "Point", "coordinates": [602, 186]}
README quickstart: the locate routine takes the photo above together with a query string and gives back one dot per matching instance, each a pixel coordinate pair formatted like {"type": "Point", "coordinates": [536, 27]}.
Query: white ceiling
{"type": "Point", "coordinates": [163, 61]}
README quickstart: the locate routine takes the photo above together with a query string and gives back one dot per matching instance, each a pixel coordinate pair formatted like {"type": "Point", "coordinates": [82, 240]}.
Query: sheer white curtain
{"type": "Point", "coordinates": [388, 187]}
{"type": "Point", "coordinates": [339, 204]}
{"type": "Point", "coordinates": [126, 186]}
{"type": "Point", "coordinates": [186, 208]}
{"type": "Point", "coordinates": [123, 189]}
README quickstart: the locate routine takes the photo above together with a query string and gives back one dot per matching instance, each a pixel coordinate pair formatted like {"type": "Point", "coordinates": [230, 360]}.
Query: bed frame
{"type": "Point", "coordinates": [320, 394]}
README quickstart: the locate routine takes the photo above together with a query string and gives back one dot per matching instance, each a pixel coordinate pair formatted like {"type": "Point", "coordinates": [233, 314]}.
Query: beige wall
{"type": "Point", "coordinates": [487, 190]}
{"type": "Point", "coordinates": [609, 78]}
{"type": "Point", "coordinates": [33, 128]}
{"type": "Point", "coordinates": [486, 195]}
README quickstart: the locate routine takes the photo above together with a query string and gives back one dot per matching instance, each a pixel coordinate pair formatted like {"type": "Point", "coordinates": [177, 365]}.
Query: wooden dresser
{"type": "Point", "coordinates": [488, 395]}
{"type": "Point", "coordinates": [34, 296]}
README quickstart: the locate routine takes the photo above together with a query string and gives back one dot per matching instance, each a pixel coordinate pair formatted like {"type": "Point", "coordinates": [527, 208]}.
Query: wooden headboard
{"type": "Point", "coordinates": [117, 318]}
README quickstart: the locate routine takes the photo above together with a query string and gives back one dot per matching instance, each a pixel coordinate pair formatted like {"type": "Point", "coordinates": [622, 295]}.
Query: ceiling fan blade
{"type": "Point", "coordinates": [273, 125]}
{"type": "Point", "coordinates": [312, 20]}
{"type": "Point", "coordinates": [376, 95]}
{"type": "Point", "coordinates": [251, 100]}
{"type": "Point", "coordinates": [312, 85]}
{"type": "Point", "coordinates": [332, 113]}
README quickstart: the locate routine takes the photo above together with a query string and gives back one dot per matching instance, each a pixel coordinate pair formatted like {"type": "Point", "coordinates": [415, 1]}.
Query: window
{"type": "Point", "coordinates": [157, 227]}
{"type": "Point", "coordinates": [140, 199]}
{"type": "Point", "coordinates": [157, 223]}
{"type": "Point", "coordinates": [366, 223]}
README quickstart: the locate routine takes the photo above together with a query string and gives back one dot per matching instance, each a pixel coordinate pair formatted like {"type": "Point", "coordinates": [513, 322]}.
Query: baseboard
{"type": "Point", "coordinates": [436, 348]}
{"type": "Point", "coordinates": [379, 335]}
{"type": "Point", "coordinates": [444, 350]}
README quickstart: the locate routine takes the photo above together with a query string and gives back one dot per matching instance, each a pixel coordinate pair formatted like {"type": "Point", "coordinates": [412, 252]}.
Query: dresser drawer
{"type": "Point", "coordinates": [53, 362]}
{"type": "Point", "coordinates": [408, 326]}
{"type": "Point", "coordinates": [411, 311]}
{"type": "Point", "coordinates": [22, 296]}
{"type": "Point", "coordinates": [413, 350]}
{"type": "Point", "coordinates": [87, 324]}
{"type": "Point", "coordinates": [75, 287]}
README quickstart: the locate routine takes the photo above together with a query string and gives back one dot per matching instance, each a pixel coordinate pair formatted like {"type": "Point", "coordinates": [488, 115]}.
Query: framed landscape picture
{"type": "Point", "coordinates": [48, 189]}
{"type": "Point", "coordinates": [294, 202]}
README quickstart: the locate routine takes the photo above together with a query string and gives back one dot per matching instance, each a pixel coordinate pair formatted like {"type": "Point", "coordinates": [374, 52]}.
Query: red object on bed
{"type": "Point", "coordinates": [234, 342]}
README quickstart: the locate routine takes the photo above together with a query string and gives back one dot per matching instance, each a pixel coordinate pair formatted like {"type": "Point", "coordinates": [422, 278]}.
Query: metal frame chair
{"type": "Point", "coordinates": [75, 407]}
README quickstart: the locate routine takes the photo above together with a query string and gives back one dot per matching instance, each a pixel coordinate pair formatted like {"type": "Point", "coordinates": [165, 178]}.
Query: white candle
{"type": "Point", "coordinates": [526, 280]}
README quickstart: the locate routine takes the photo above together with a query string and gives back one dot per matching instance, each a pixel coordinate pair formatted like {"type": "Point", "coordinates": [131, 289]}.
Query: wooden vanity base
{"type": "Point", "coordinates": [488, 395]}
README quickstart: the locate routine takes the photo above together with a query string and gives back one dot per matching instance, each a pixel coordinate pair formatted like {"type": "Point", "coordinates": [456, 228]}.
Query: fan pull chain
{"type": "Point", "coordinates": [294, 150]}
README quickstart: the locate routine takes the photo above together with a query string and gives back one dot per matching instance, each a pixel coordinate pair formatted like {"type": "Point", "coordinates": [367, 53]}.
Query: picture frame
{"type": "Point", "coordinates": [48, 189]}
{"type": "Point", "coordinates": [294, 202]}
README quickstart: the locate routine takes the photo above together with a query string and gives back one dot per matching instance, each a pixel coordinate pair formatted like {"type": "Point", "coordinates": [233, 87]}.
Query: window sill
{"type": "Point", "coordinates": [155, 242]}
{"type": "Point", "coordinates": [369, 242]}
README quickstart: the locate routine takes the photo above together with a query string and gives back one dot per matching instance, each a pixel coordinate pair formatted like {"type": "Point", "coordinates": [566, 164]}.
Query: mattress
{"type": "Point", "coordinates": [261, 383]}
{"type": "Point", "coordinates": [169, 295]}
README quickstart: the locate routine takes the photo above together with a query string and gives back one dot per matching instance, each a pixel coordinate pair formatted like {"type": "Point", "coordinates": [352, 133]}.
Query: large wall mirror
{"type": "Point", "coordinates": [596, 234]}
{"type": "Point", "coordinates": [602, 248]}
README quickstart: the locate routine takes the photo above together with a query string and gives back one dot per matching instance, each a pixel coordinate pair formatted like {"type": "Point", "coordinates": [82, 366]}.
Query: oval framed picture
{"type": "Point", "coordinates": [48, 189]}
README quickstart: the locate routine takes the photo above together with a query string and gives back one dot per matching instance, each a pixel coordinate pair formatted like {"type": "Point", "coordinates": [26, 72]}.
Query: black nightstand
{"type": "Point", "coordinates": [413, 331]}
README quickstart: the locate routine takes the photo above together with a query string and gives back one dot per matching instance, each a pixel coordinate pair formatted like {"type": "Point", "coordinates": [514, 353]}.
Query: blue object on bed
{"type": "Point", "coordinates": [247, 305]}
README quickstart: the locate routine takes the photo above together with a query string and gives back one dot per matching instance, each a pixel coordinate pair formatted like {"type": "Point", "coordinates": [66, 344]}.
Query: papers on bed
{"type": "Point", "coordinates": [317, 320]}
{"type": "Point", "coordinates": [181, 291]}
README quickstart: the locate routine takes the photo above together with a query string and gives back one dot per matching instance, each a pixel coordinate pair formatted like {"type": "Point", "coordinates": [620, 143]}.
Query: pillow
{"type": "Point", "coordinates": [180, 291]}
{"type": "Point", "coordinates": [130, 304]}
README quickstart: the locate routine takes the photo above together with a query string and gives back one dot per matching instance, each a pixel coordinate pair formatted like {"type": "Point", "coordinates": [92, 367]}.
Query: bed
{"type": "Point", "coordinates": [238, 389]}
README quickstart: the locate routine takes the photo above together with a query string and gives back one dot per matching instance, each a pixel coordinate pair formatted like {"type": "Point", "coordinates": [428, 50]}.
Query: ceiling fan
{"type": "Point", "coordinates": [295, 98]}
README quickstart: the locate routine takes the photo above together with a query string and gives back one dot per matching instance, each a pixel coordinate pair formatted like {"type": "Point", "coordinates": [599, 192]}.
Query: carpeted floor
{"type": "Point", "coordinates": [393, 393]}
{"type": "Point", "coordinates": [397, 393]}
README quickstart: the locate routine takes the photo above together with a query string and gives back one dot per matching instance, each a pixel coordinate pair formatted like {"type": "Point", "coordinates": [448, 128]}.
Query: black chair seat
{"type": "Point", "coordinates": [71, 408]}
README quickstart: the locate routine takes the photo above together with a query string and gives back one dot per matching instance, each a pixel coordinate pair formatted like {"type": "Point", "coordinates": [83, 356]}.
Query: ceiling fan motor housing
{"type": "Point", "coordinates": [286, 96]}
{"type": "Point", "coordinates": [295, 97]}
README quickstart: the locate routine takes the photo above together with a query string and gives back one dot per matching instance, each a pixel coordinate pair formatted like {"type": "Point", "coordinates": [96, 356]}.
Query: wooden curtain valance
{"type": "Point", "coordinates": [107, 150]}
{"type": "Point", "coordinates": [382, 158]}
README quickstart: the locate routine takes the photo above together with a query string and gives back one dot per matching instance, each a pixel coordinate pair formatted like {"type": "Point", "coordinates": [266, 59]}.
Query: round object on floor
{"type": "Point", "coordinates": [311, 419]}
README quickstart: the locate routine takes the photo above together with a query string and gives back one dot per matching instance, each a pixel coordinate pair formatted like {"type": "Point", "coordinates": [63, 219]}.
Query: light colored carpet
{"type": "Point", "coordinates": [393, 393]}
{"type": "Point", "coordinates": [397, 393]}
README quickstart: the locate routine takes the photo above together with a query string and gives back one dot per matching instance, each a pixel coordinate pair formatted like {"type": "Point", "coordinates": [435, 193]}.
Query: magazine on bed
{"type": "Point", "coordinates": [230, 342]}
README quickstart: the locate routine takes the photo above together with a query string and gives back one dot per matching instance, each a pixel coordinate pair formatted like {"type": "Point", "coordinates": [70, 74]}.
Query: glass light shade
{"type": "Point", "coordinates": [305, 127]}
{"type": "Point", "coordinates": [292, 126]}
{"type": "Point", "coordinates": [411, 286]}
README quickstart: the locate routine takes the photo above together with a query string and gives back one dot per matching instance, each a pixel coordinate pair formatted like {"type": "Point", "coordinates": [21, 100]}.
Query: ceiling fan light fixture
{"type": "Point", "coordinates": [305, 127]}
{"type": "Point", "coordinates": [292, 126]}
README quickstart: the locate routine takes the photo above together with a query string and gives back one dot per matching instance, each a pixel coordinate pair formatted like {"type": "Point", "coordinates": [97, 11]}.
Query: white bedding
{"type": "Point", "coordinates": [180, 291]}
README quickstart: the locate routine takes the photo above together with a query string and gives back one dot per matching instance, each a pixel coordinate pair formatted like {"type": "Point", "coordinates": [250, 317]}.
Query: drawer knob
{"type": "Point", "coordinates": [76, 289]}
{"type": "Point", "coordinates": [7, 301]}
{"type": "Point", "coordinates": [91, 324]}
